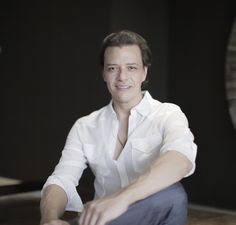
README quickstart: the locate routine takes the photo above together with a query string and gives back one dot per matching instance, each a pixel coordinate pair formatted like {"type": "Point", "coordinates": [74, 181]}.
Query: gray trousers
{"type": "Point", "coordinates": [166, 207]}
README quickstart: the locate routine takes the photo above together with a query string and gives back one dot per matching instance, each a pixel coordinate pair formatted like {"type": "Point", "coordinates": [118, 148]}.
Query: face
{"type": "Point", "coordinates": [124, 73]}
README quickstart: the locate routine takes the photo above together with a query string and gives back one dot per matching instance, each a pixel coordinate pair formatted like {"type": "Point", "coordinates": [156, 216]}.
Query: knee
{"type": "Point", "coordinates": [171, 205]}
{"type": "Point", "coordinates": [180, 204]}
{"type": "Point", "coordinates": [172, 198]}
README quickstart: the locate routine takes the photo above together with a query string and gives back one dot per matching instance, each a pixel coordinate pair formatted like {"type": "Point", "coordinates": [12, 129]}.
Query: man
{"type": "Point", "coordinates": [137, 147]}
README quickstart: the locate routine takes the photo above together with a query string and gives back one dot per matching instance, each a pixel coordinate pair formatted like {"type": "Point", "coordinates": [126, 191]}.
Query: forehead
{"type": "Point", "coordinates": [123, 53]}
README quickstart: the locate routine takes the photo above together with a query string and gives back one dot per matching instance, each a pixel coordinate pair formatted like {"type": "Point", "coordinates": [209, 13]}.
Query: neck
{"type": "Point", "coordinates": [123, 109]}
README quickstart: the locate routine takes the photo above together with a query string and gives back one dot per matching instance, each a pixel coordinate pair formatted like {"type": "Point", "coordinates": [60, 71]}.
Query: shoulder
{"type": "Point", "coordinates": [162, 107]}
{"type": "Point", "coordinates": [165, 107]}
{"type": "Point", "coordinates": [167, 112]}
{"type": "Point", "coordinates": [93, 117]}
{"type": "Point", "coordinates": [169, 107]}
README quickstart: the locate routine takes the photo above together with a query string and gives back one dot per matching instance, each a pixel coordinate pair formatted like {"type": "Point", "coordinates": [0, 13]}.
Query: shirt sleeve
{"type": "Point", "coordinates": [177, 135]}
{"type": "Point", "coordinates": [68, 171]}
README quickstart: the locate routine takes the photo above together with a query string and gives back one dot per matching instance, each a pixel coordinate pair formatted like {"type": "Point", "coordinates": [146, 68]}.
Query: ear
{"type": "Point", "coordinates": [145, 73]}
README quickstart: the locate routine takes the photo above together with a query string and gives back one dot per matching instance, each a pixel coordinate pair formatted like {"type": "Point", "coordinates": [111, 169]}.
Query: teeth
{"type": "Point", "coordinates": [122, 86]}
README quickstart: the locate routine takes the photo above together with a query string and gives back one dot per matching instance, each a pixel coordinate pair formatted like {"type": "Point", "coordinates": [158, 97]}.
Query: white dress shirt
{"type": "Point", "coordinates": [154, 128]}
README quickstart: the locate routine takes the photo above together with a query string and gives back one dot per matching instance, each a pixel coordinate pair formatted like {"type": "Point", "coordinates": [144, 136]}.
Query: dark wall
{"type": "Point", "coordinates": [199, 37]}
{"type": "Point", "coordinates": [51, 76]}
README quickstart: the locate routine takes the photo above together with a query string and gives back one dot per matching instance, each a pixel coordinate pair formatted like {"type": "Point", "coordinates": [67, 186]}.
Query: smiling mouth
{"type": "Point", "coordinates": [123, 87]}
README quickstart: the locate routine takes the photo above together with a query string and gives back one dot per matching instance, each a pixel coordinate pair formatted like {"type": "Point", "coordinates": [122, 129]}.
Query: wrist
{"type": "Point", "coordinates": [127, 196]}
{"type": "Point", "coordinates": [134, 191]}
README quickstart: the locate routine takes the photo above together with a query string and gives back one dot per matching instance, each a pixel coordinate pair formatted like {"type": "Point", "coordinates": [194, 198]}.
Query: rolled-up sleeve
{"type": "Point", "coordinates": [177, 136]}
{"type": "Point", "coordinates": [68, 171]}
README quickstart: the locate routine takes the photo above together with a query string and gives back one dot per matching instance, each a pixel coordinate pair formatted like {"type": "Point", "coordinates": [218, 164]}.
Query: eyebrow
{"type": "Point", "coordinates": [115, 64]}
{"type": "Point", "coordinates": [111, 64]}
{"type": "Point", "coordinates": [132, 64]}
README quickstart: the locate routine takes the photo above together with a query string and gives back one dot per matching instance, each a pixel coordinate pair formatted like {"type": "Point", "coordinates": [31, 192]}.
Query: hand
{"type": "Point", "coordinates": [99, 212]}
{"type": "Point", "coordinates": [55, 222]}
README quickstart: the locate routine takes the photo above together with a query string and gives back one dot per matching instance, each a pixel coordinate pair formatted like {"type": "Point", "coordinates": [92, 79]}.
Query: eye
{"type": "Point", "coordinates": [112, 68]}
{"type": "Point", "coordinates": [131, 68]}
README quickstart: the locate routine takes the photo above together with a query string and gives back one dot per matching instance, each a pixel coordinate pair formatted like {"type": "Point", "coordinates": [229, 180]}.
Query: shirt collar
{"type": "Point", "coordinates": [143, 107]}
{"type": "Point", "coordinates": [111, 110]}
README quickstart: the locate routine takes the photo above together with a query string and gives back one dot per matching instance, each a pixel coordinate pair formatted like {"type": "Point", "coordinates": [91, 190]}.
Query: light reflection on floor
{"type": "Point", "coordinates": [8, 181]}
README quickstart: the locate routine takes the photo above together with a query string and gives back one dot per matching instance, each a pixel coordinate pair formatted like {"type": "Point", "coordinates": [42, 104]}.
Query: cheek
{"type": "Point", "coordinates": [142, 78]}
{"type": "Point", "coordinates": [108, 80]}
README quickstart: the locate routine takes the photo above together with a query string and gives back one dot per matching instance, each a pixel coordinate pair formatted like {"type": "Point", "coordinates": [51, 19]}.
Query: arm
{"type": "Point", "coordinates": [168, 169]}
{"type": "Point", "coordinates": [52, 205]}
{"type": "Point", "coordinates": [59, 192]}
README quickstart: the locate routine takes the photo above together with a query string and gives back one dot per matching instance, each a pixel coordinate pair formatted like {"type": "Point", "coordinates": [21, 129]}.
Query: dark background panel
{"type": "Point", "coordinates": [199, 37]}
{"type": "Point", "coordinates": [50, 76]}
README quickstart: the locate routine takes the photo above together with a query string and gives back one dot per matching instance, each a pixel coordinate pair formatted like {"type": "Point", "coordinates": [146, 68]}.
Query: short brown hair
{"type": "Point", "coordinates": [126, 37]}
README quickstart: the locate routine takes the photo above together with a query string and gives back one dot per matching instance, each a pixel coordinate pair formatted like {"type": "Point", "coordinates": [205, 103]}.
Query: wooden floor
{"type": "Point", "coordinates": [23, 209]}
{"type": "Point", "coordinates": [208, 216]}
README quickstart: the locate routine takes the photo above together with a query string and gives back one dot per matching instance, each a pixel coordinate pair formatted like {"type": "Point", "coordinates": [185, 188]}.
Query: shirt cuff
{"type": "Point", "coordinates": [74, 201]}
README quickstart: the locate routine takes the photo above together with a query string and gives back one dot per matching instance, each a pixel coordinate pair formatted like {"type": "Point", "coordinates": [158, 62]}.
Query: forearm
{"type": "Point", "coordinates": [53, 203]}
{"type": "Point", "coordinates": [167, 170]}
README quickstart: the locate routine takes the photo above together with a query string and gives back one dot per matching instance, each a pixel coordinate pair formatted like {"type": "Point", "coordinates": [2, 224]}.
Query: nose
{"type": "Point", "coordinates": [122, 75]}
